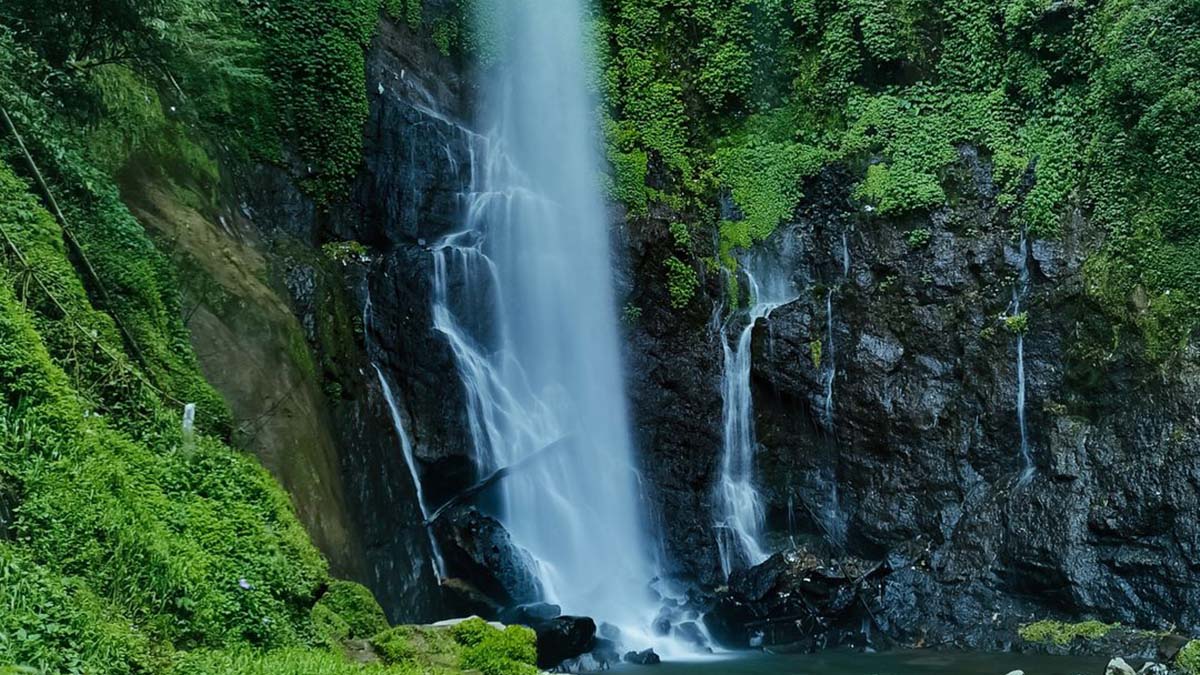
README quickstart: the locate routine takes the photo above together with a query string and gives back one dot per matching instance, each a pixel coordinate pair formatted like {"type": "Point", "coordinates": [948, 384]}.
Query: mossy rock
{"type": "Point", "coordinates": [473, 645]}
{"type": "Point", "coordinates": [1063, 633]}
{"type": "Point", "coordinates": [1187, 661]}
{"type": "Point", "coordinates": [348, 610]}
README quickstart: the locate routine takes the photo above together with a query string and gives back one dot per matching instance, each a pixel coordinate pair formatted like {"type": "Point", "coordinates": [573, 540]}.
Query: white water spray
{"type": "Point", "coordinates": [739, 509]}
{"type": "Point", "coordinates": [523, 296]}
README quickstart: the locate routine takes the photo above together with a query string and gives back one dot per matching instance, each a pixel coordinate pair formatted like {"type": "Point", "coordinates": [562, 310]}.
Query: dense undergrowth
{"type": "Point", "coordinates": [1089, 104]}
{"type": "Point", "coordinates": [128, 545]}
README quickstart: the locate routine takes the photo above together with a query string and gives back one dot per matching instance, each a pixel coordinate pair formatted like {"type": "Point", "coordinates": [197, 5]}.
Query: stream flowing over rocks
{"type": "Point", "coordinates": [901, 518]}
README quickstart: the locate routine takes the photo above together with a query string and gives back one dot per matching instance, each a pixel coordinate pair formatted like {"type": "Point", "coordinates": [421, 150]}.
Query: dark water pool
{"type": "Point", "coordinates": [925, 662]}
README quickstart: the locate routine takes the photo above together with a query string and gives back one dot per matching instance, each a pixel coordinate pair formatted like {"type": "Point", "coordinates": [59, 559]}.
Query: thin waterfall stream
{"type": "Point", "coordinates": [1020, 319]}
{"type": "Point", "coordinates": [439, 565]}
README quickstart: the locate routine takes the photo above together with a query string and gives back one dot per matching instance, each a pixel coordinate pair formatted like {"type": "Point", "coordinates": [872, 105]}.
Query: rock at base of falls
{"type": "Point", "coordinates": [1118, 666]}
{"type": "Point", "coordinates": [646, 657]}
{"type": "Point", "coordinates": [476, 547]}
{"type": "Point", "coordinates": [531, 614]}
{"type": "Point", "coordinates": [564, 637]}
{"type": "Point", "coordinates": [798, 600]}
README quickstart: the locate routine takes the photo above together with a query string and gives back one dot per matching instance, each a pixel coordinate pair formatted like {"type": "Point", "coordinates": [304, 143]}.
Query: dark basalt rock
{"type": "Point", "coordinates": [531, 614]}
{"type": "Point", "coordinates": [477, 547]}
{"type": "Point", "coordinates": [923, 449]}
{"type": "Point", "coordinates": [564, 638]}
{"type": "Point", "coordinates": [690, 632]}
{"type": "Point", "coordinates": [605, 653]}
{"type": "Point", "coordinates": [645, 657]}
{"type": "Point", "coordinates": [798, 598]}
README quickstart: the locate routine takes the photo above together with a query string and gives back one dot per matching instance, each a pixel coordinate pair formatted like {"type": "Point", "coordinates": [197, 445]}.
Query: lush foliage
{"type": "Point", "coordinates": [1090, 105]}
{"type": "Point", "coordinates": [1188, 659]}
{"type": "Point", "coordinates": [127, 543]}
{"type": "Point", "coordinates": [356, 608]}
{"type": "Point", "coordinates": [472, 645]}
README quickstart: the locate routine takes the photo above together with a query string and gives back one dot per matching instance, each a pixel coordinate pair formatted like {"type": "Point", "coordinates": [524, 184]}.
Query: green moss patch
{"type": "Point", "coordinates": [1062, 633]}
{"type": "Point", "coordinates": [472, 645]}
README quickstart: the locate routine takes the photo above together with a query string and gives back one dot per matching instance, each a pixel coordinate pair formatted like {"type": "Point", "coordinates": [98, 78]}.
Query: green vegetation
{"type": "Point", "coordinates": [355, 606]}
{"type": "Point", "coordinates": [131, 549]}
{"type": "Point", "coordinates": [472, 645]}
{"type": "Point", "coordinates": [1090, 104]}
{"type": "Point", "coordinates": [1188, 658]}
{"type": "Point", "coordinates": [1016, 323]}
{"type": "Point", "coordinates": [1062, 633]}
{"type": "Point", "coordinates": [918, 237]}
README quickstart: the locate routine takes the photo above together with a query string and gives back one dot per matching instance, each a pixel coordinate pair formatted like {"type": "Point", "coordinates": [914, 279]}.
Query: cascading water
{"type": "Point", "coordinates": [1015, 312]}
{"type": "Point", "coordinates": [523, 296]}
{"type": "Point", "coordinates": [739, 509]}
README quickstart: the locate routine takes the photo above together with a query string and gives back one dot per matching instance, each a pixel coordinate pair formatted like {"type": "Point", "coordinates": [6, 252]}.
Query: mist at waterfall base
{"type": "Point", "coordinates": [523, 295]}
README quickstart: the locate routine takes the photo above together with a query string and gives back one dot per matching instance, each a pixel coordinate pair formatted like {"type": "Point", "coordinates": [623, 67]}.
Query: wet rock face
{"type": "Point", "coordinates": [416, 161]}
{"type": "Point", "coordinates": [924, 442]}
{"type": "Point", "coordinates": [674, 371]}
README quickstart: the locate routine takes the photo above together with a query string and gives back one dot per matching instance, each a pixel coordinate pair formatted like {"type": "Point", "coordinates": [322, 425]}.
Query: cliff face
{"type": "Point", "coordinates": [919, 463]}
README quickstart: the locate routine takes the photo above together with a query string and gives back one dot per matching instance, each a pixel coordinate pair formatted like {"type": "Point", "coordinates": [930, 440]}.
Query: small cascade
{"type": "Point", "coordinates": [830, 359]}
{"type": "Point", "coordinates": [189, 427]}
{"type": "Point", "coordinates": [739, 509]}
{"type": "Point", "coordinates": [1020, 289]}
{"type": "Point", "coordinates": [845, 254]}
{"type": "Point", "coordinates": [439, 567]}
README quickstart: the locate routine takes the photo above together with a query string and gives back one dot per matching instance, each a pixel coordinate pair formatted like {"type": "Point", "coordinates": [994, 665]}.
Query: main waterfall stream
{"type": "Point", "coordinates": [523, 295]}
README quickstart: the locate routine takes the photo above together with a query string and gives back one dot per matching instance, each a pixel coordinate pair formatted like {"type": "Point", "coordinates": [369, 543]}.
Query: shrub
{"type": "Point", "coordinates": [1188, 658]}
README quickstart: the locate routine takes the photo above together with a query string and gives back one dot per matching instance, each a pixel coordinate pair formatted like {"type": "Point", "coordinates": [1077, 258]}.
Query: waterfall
{"type": "Point", "coordinates": [439, 567]}
{"type": "Point", "coordinates": [739, 510]}
{"type": "Point", "coordinates": [1018, 294]}
{"type": "Point", "coordinates": [845, 254]}
{"type": "Point", "coordinates": [523, 295]}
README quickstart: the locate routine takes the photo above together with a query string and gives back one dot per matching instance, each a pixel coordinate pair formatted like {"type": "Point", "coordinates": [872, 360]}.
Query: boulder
{"type": "Point", "coordinates": [690, 632]}
{"type": "Point", "coordinates": [1118, 666]}
{"type": "Point", "coordinates": [564, 637]}
{"type": "Point", "coordinates": [604, 651]}
{"type": "Point", "coordinates": [477, 547]}
{"type": "Point", "coordinates": [646, 657]}
{"type": "Point", "coordinates": [531, 614]}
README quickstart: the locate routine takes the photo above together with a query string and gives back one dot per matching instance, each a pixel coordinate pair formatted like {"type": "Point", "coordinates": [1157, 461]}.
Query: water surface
{"type": "Point", "coordinates": [918, 662]}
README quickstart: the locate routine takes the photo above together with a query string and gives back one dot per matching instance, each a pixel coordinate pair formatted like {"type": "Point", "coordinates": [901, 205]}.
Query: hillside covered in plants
{"type": "Point", "coordinates": [225, 398]}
